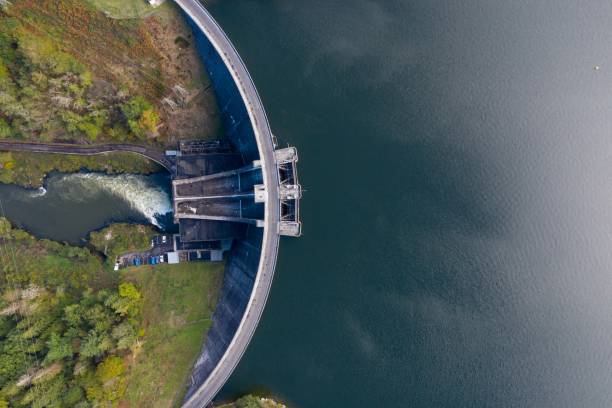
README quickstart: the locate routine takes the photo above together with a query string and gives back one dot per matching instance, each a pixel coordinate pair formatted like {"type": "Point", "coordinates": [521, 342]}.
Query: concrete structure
{"type": "Point", "coordinates": [269, 213]}
{"type": "Point", "coordinates": [254, 214]}
{"type": "Point", "coordinates": [173, 258]}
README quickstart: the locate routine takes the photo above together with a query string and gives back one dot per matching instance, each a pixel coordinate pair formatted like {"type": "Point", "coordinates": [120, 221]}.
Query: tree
{"type": "Point", "coordinates": [248, 402]}
{"type": "Point", "coordinates": [4, 73]}
{"type": "Point", "coordinates": [59, 348]}
{"type": "Point", "coordinates": [127, 303]}
{"type": "Point", "coordinates": [5, 228]}
{"type": "Point", "coordinates": [5, 129]}
{"type": "Point", "coordinates": [125, 335]}
{"type": "Point", "coordinates": [133, 109]}
{"type": "Point", "coordinates": [149, 120]}
{"type": "Point", "coordinates": [95, 345]}
{"type": "Point", "coordinates": [129, 291]}
{"type": "Point", "coordinates": [91, 130]}
{"type": "Point", "coordinates": [110, 369]}
{"type": "Point", "coordinates": [73, 396]}
{"type": "Point", "coordinates": [109, 374]}
{"type": "Point", "coordinates": [73, 315]}
{"type": "Point", "coordinates": [140, 116]}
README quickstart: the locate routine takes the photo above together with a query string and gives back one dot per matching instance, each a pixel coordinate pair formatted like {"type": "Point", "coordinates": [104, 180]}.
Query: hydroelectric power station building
{"type": "Point", "coordinates": [247, 191]}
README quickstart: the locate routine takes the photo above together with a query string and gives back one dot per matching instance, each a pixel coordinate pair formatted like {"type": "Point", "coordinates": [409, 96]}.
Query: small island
{"type": "Point", "coordinates": [251, 401]}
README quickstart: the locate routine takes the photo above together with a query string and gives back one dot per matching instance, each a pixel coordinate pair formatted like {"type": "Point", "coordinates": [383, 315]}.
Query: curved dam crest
{"type": "Point", "coordinates": [252, 260]}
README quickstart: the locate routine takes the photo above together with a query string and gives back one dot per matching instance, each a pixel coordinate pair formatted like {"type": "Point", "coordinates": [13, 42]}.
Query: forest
{"type": "Point", "coordinates": [66, 325]}
{"type": "Point", "coordinates": [74, 333]}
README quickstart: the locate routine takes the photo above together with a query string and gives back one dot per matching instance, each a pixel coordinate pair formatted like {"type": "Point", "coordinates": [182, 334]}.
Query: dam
{"type": "Point", "coordinates": [249, 193]}
{"type": "Point", "coordinates": [243, 190]}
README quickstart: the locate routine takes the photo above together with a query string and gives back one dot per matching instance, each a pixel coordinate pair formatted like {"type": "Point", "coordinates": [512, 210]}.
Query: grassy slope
{"type": "Point", "coordinates": [49, 264]}
{"type": "Point", "coordinates": [179, 302]}
{"type": "Point", "coordinates": [121, 238]}
{"type": "Point", "coordinates": [123, 8]}
{"type": "Point", "coordinates": [29, 170]}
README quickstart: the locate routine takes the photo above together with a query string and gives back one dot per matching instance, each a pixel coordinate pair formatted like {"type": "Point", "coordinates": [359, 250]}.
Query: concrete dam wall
{"type": "Point", "coordinates": [240, 274]}
{"type": "Point", "coordinates": [234, 116]}
{"type": "Point", "coordinates": [252, 259]}
{"type": "Point", "coordinates": [243, 261]}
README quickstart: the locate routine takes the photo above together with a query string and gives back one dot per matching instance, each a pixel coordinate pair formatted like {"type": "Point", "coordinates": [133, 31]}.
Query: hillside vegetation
{"type": "Point", "coordinates": [122, 238]}
{"type": "Point", "coordinates": [69, 73]}
{"type": "Point", "coordinates": [123, 8]}
{"type": "Point", "coordinates": [73, 333]}
{"type": "Point", "coordinates": [29, 170]}
{"type": "Point", "coordinates": [251, 401]}
{"type": "Point", "coordinates": [66, 325]}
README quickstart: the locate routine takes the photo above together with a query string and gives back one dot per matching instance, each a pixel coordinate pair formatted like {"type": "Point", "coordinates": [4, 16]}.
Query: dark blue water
{"type": "Point", "coordinates": [457, 157]}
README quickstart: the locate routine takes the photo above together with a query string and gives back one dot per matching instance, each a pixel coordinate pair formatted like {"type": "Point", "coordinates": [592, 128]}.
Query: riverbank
{"type": "Point", "coordinates": [30, 169]}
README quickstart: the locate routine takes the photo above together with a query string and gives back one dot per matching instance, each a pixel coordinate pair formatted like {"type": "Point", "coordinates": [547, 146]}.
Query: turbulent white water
{"type": "Point", "coordinates": [138, 191]}
{"type": "Point", "coordinates": [40, 192]}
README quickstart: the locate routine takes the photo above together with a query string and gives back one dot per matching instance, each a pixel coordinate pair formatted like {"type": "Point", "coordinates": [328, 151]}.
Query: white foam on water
{"type": "Point", "coordinates": [40, 192]}
{"type": "Point", "coordinates": [143, 196]}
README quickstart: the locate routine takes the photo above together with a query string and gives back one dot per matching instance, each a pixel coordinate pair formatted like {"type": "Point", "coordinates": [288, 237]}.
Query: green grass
{"type": "Point", "coordinates": [123, 8]}
{"type": "Point", "coordinates": [29, 170]}
{"type": "Point", "coordinates": [122, 238]}
{"type": "Point", "coordinates": [26, 260]}
{"type": "Point", "coordinates": [178, 304]}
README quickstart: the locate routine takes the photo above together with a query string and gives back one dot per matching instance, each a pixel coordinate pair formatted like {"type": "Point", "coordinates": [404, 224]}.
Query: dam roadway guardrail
{"type": "Point", "coordinates": [211, 385]}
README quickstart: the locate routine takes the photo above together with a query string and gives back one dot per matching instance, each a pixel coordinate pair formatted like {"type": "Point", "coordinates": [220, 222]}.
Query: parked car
{"type": "Point", "coordinates": [161, 259]}
{"type": "Point", "coordinates": [116, 266]}
{"type": "Point", "coordinates": [164, 239]}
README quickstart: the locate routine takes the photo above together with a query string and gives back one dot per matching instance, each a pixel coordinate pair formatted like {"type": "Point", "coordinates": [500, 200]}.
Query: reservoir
{"type": "Point", "coordinates": [457, 162]}
{"type": "Point", "coordinates": [457, 241]}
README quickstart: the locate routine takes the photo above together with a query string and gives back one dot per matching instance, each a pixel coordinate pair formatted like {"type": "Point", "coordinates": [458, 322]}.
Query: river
{"type": "Point", "coordinates": [457, 160]}
{"type": "Point", "coordinates": [70, 206]}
